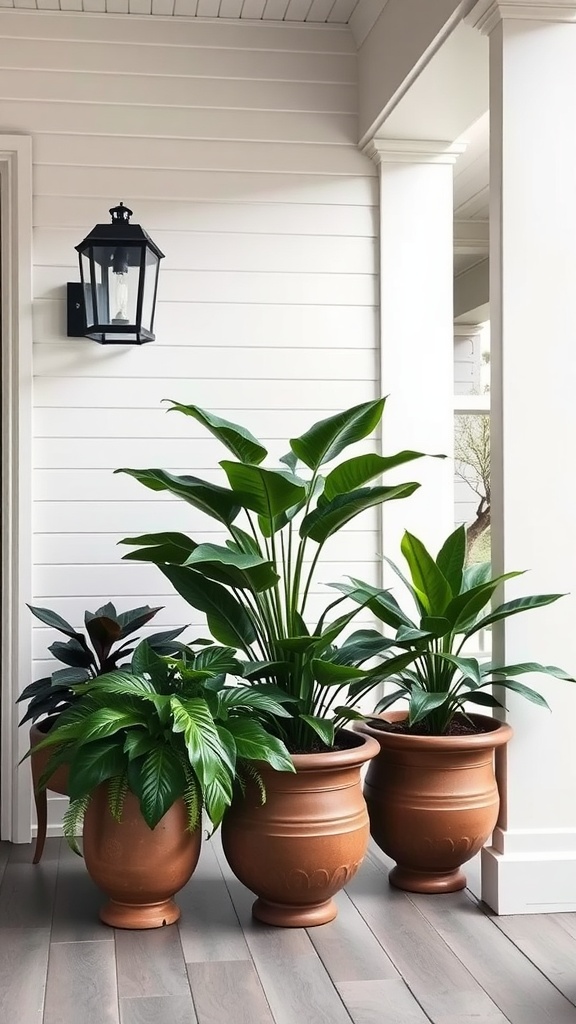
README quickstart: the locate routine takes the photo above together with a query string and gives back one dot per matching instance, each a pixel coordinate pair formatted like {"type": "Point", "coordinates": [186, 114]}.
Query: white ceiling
{"type": "Point", "coordinates": [359, 14]}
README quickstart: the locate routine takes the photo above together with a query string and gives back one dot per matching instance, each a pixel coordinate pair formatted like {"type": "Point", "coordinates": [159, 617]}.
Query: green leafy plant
{"type": "Point", "coordinates": [89, 655]}
{"type": "Point", "coordinates": [254, 589]}
{"type": "Point", "coordinates": [451, 601]}
{"type": "Point", "coordinates": [165, 728]}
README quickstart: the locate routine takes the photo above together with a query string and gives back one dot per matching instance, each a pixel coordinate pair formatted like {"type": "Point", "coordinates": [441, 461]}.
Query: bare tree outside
{"type": "Point", "coordinates": [472, 457]}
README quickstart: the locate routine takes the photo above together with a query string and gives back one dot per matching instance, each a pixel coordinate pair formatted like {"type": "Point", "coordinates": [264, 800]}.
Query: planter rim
{"type": "Point", "coordinates": [499, 734]}
{"type": "Point", "coordinates": [364, 751]}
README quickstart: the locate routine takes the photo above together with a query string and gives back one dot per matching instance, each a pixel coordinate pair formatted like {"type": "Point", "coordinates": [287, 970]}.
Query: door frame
{"type": "Point", "coordinates": [16, 412]}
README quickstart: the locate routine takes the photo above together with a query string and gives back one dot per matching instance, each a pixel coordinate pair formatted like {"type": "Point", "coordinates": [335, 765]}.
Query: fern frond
{"type": "Point", "coordinates": [117, 789]}
{"type": "Point", "coordinates": [246, 773]}
{"type": "Point", "coordinates": [192, 797]}
{"type": "Point", "coordinates": [73, 820]}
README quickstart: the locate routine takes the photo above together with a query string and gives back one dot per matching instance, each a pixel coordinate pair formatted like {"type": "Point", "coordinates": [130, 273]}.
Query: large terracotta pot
{"type": "Point", "coordinates": [433, 801]}
{"type": "Point", "coordinates": [58, 782]}
{"type": "Point", "coordinates": [306, 841]}
{"type": "Point", "coordinates": [139, 868]}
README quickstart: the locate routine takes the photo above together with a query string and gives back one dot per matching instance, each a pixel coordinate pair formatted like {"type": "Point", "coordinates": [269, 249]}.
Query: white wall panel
{"type": "Point", "coordinates": [249, 217]}
{"type": "Point", "coordinates": [225, 325]}
{"type": "Point", "coordinates": [235, 144]}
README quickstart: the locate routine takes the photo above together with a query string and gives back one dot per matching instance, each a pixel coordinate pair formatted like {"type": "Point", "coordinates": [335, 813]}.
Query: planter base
{"type": "Point", "coordinates": [285, 916]}
{"type": "Point", "coordinates": [426, 881]}
{"type": "Point", "coordinates": [148, 915]}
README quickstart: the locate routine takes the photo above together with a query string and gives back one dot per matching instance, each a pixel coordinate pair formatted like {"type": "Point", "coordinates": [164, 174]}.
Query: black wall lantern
{"type": "Point", "coordinates": [115, 302]}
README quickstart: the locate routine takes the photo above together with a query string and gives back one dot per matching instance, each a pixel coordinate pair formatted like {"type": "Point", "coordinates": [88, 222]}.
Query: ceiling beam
{"type": "Point", "coordinates": [471, 237]}
{"type": "Point", "coordinates": [471, 288]}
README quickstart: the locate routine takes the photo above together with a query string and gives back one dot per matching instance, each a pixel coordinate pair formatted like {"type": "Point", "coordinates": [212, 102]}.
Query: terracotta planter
{"type": "Point", "coordinates": [58, 784]}
{"type": "Point", "coordinates": [139, 868]}
{"type": "Point", "coordinates": [433, 801]}
{"type": "Point", "coordinates": [306, 841]}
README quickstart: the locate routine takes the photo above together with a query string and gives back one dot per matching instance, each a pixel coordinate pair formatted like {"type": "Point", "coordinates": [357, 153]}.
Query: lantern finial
{"type": "Point", "coordinates": [120, 214]}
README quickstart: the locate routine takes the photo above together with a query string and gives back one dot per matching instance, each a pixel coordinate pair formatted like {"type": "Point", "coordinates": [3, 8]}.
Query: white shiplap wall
{"type": "Point", "coordinates": [235, 144]}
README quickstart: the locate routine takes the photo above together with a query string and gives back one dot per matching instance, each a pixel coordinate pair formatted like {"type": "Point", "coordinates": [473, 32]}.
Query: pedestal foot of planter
{"type": "Point", "coordinates": [147, 915]}
{"type": "Point", "coordinates": [285, 916]}
{"type": "Point", "coordinates": [426, 881]}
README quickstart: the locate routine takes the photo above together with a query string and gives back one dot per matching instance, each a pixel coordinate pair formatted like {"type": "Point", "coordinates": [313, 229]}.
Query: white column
{"type": "Point", "coordinates": [416, 331]}
{"type": "Point", "coordinates": [531, 866]}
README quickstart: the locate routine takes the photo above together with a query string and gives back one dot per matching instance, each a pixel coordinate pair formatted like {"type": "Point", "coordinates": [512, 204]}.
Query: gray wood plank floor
{"type": "Point", "coordinates": [389, 958]}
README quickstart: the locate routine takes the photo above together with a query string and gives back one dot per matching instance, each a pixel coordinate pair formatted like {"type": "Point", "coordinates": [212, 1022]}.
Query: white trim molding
{"type": "Point", "coordinates": [487, 14]}
{"type": "Point", "coordinates": [16, 283]}
{"type": "Point", "coordinates": [413, 151]}
{"type": "Point", "coordinates": [530, 871]}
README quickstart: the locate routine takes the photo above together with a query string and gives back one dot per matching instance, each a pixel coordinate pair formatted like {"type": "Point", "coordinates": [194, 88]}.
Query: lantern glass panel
{"type": "Point", "coordinates": [119, 271]}
{"type": "Point", "coordinates": [150, 278]}
{"type": "Point", "coordinates": [85, 272]}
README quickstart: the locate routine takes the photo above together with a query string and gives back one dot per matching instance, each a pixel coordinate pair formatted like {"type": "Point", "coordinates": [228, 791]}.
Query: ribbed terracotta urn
{"type": "Point", "coordinates": [139, 868]}
{"type": "Point", "coordinates": [58, 782]}
{"type": "Point", "coordinates": [307, 840]}
{"type": "Point", "coordinates": [433, 801]}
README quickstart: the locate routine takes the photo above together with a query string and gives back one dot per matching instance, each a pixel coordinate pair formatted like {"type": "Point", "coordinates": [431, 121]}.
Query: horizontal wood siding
{"type": "Point", "coordinates": [235, 144]}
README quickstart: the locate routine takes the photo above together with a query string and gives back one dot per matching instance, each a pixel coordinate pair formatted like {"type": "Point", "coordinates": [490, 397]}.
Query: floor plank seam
{"type": "Point", "coordinates": [459, 959]}
{"type": "Point", "coordinates": [536, 967]}
{"type": "Point", "coordinates": [327, 969]}
{"type": "Point", "coordinates": [49, 957]}
{"type": "Point", "coordinates": [390, 957]}
{"type": "Point", "coordinates": [217, 854]}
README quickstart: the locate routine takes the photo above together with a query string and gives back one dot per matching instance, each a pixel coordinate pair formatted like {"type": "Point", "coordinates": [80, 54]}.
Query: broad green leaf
{"type": "Point", "coordinates": [327, 519]}
{"type": "Point", "coordinates": [135, 619]}
{"type": "Point", "coordinates": [476, 574]}
{"type": "Point", "coordinates": [106, 722]}
{"type": "Point", "coordinates": [255, 670]}
{"type": "Point", "coordinates": [245, 571]}
{"type": "Point", "coordinates": [322, 727]}
{"type": "Point", "coordinates": [57, 622]}
{"type": "Point", "coordinates": [356, 472]}
{"type": "Point", "coordinates": [94, 764]}
{"type": "Point", "coordinates": [327, 438]}
{"type": "Point", "coordinates": [524, 691]}
{"type": "Point", "coordinates": [72, 653]}
{"type": "Point", "coordinates": [386, 670]}
{"type": "Point", "coordinates": [381, 603]}
{"type": "Point", "coordinates": [451, 557]}
{"type": "Point", "coordinates": [158, 780]}
{"type": "Point", "coordinates": [290, 460]}
{"type": "Point", "coordinates": [243, 445]}
{"type": "Point", "coordinates": [250, 699]}
{"type": "Point", "coordinates": [469, 667]}
{"type": "Point", "coordinates": [227, 619]}
{"type": "Point", "coordinates": [137, 743]}
{"type": "Point", "coordinates": [463, 609]}
{"type": "Point", "coordinates": [219, 659]}
{"type": "Point", "coordinates": [349, 714]}
{"type": "Point", "coordinates": [193, 718]}
{"type": "Point", "coordinates": [70, 676]}
{"type": "Point", "coordinates": [173, 548]}
{"type": "Point", "coordinates": [218, 502]}
{"type": "Point", "coordinates": [437, 625]}
{"type": "Point", "coordinates": [520, 604]}
{"type": "Point", "coordinates": [422, 703]}
{"type": "Point", "coordinates": [487, 700]}
{"type": "Point", "coordinates": [328, 673]}
{"type": "Point", "coordinates": [526, 666]}
{"type": "Point", "coordinates": [253, 743]}
{"type": "Point", "coordinates": [243, 542]}
{"type": "Point", "coordinates": [386, 702]}
{"type": "Point", "coordinates": [360, 646]}
{"type": "Point", "coordinates": [408, 635]}
{"type": "Point", "coordinates": [218, 797]}
{"type": "Point", "coordinates": [433, 589]}
{"type": "Point", "coordinates": [268, 492]}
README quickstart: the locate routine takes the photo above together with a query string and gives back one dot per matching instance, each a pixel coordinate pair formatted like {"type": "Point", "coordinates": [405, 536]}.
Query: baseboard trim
{"type": "Point", "coordinates": [536, 882]}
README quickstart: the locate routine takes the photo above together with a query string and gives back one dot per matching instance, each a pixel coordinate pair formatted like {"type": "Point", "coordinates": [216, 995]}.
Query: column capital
{"type": "Point", "coordinates": [487, 14]}
{"type": "Point", "coordinates": [413, 151]}
{"type": "Point", "coordinates": [467, 330]}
